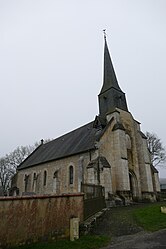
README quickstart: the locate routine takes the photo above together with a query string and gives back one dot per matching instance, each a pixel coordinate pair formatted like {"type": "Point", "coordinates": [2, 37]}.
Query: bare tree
{"type": "Point", "coordinates": [156, 149]}
{"type": "Point", "coordinates": [6, 172]}
{"type": "Point", "coordinates": [18, 156]}
{"type": "Point", "coordinates": [10, 162]}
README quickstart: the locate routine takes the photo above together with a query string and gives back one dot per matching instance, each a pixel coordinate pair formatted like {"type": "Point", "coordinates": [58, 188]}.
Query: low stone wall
{"type": "Point", "coordinates": [33, 218]}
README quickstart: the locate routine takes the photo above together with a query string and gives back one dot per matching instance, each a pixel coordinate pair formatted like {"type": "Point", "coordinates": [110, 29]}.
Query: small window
{"type": "Point", "coordinates": [34, 177]}
{"type": "Point", "coordinates": [45, 178]}
{"type": "Point", "coordinates": [71, 173]}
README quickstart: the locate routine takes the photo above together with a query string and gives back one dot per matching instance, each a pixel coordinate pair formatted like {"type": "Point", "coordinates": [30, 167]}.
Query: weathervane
{"type": "Point", "coordinates": [104, 33]}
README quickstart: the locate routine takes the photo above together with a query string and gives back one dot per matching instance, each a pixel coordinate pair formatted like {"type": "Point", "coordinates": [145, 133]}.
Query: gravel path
{"type": "Point", "coordinates": [142, 240]}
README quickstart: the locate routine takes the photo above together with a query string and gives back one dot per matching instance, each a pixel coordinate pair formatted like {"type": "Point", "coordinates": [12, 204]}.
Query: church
{"type": "Point", "coordinates": [111, 151]}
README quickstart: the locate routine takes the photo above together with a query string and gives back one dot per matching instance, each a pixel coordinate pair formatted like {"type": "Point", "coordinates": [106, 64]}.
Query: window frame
{"type": "Point", "coordinates": [71, 175]}
{"type": "Point", "coordinates": [45, 178]}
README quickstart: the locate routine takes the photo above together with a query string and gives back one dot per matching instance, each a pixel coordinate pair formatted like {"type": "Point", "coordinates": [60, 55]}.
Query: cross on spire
{"type": "Point", "coordinates": [105, 35]}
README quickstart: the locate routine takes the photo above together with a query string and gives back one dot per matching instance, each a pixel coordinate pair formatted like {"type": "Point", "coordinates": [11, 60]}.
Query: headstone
{"type": "Point", "coordinates": [163, 209]}
{"type": "Point", "coordinates": [74, 229]}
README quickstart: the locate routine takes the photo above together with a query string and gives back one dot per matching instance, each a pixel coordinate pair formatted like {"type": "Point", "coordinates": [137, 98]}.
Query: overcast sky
{"type": "Point", "coordinates": [51, 64]}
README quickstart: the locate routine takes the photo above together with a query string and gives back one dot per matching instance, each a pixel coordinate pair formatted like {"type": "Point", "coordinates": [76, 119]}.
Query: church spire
{"type": "Point", "coordinates": [111, 96]}
{"type": "Point", "coordinates": [110, 79]}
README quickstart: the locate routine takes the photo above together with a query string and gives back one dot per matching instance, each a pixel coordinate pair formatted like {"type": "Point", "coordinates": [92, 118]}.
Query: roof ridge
{"type": "Point", "coordinates": [61, 136]}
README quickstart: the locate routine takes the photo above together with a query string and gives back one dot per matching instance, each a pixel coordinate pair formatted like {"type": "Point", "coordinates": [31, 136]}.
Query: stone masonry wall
{"type": "Point", "coordinates": [57, 181]}
{"type": "Point", "coordinates": [29, 219]}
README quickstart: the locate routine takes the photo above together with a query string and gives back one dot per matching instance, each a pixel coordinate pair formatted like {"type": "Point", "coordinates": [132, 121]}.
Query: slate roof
{"type": "Point", "coordinates": [74, 142]}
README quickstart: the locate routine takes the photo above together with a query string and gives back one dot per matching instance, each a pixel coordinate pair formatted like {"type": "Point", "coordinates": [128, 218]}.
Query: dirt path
{"type": "Point", "coordinates": [117, 222]}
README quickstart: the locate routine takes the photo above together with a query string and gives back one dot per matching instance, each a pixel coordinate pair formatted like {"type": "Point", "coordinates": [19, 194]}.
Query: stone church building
{"type": "Point", "coordinates": [110, 151]}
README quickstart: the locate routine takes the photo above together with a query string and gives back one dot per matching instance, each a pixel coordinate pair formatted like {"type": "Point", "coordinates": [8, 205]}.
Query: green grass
{"type": "Point", "coordinates": [150, 217]}
{"type": "Point", "coordinates": [85, 242]}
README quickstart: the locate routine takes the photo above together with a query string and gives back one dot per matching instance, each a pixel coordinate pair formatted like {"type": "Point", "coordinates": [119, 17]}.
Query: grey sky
{"type": "Point", "coordinates": [51, 64]}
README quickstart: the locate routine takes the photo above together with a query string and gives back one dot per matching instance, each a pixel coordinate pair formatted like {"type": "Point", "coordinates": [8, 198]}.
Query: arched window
{"type": "Point", "coordinates": [34, 182]}
{"type": "Point", "coordinates": [55, 182]}
{"type": "Point", "coordinates": [45, 178]}
{"type": "Point", "coordinates": [34, 177]}
{"type": "Point", "coordinates": [71, 173]}
{"type": "Point", "coordinates": [26, 182]}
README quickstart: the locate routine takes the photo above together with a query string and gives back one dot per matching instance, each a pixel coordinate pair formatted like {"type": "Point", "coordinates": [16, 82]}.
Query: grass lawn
{"type": "Point", "coordinates": [150, 217]}
{"type": "Point", "coordinates": [85, 242]}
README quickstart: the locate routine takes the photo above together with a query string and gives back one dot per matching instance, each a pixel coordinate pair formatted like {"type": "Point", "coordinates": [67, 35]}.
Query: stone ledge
{"type": "Point", "coordinates": [6, 198]}
{"type": "Point", "coordinates": [89, 223]}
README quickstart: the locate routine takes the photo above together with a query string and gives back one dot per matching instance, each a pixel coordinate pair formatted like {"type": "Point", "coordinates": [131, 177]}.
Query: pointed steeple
{"type": "Point", "coordinates": [110, 79]}
{"type": "Point", "coordinates": [111, 96]}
